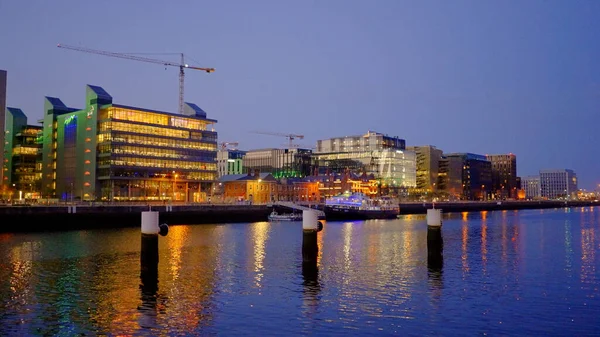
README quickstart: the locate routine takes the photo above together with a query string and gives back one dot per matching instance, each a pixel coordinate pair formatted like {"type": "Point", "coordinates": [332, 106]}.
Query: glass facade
{"type": "Point", "coordinates": [145, 155]}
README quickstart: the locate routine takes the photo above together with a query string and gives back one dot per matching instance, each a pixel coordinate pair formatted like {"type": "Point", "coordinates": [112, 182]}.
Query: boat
{"type": "Point", "coordinates": [274, 216]}
{"type": "Point", "coordinates": [358, 206]}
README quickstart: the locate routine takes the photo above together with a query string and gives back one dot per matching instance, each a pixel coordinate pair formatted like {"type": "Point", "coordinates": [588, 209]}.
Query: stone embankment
{"type": "Point", "coordinates": [86, 216]}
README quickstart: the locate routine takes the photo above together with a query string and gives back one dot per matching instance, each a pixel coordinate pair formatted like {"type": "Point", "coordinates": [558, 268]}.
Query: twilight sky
{"type": "Point", "coordinates": [485, 77]}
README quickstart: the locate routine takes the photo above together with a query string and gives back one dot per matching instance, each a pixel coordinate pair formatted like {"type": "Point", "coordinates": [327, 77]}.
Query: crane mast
{"type": "Point", "coordinates": [182, 65]}
{"type": "Point", "coordinates": [289, 136]}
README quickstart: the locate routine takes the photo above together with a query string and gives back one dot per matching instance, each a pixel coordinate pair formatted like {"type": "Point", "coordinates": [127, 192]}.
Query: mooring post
{"type": "Point", "coordinates": [310, 227]}
{"type": "Point", "coordinates": [435, 242]}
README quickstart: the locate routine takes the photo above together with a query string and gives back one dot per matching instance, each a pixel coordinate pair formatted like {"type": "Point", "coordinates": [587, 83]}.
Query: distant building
{"type": "Point", "coordinates": [476, 175]}
{"type": "Point", "coordinates": [531, 186]}
{"type": "Point", "coordinates": [558, 183]}
{"type": "Point", "coordinates": [428, 159]}
{"type": "Point", "coordinates": [21, 149]}
{"type": "Point", "coordinates": [385, 157]}
{"type": "Point", "coordinates": [504, 175]}
{"type": "Point", "coordinates": [281, 163]}
{"type": "Point", "coordinates": [230, 161]}
{"type": "Point", "coordinates": [3, 169]}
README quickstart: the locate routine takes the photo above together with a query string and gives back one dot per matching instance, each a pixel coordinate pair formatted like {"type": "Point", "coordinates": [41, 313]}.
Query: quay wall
{"type": "Point", "coordinates": [58, 217]}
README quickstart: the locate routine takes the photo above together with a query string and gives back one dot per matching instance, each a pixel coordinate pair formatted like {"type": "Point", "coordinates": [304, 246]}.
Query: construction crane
{"type": "Point", "coordinates": [225, 144]}
{"type": "Point", "coordinates": [182, 65]}
{"type": "Point", "coordinates": [289, 136]}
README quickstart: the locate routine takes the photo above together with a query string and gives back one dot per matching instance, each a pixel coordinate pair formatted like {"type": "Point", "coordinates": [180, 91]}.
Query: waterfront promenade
{"type": "Point", "coordinates": [86, 216]}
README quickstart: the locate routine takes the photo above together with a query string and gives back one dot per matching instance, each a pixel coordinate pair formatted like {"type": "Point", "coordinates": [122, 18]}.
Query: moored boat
{"type": "Point", "coordinates": [357, 206]}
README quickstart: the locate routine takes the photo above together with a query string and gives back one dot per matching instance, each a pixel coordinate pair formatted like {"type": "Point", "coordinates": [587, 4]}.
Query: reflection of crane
{"type": "Point", "coordinates": [182, 65]}
{"type": "Point", "coordinates": [225, 144]}
{"type": "Point", "coordinates": [289, 136]}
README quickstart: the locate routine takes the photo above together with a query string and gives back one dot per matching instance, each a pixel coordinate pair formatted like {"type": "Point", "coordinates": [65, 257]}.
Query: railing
{"type": "Point", "coordinates": [292, 205]}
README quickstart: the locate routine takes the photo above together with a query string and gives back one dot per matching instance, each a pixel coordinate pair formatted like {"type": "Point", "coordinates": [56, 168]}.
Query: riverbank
{"type": "Point", "coordinates": [85, 216]}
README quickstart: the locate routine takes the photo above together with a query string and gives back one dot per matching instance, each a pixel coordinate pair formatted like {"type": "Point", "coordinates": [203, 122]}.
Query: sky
{"type": "Point", "coordinates": [485, 77]}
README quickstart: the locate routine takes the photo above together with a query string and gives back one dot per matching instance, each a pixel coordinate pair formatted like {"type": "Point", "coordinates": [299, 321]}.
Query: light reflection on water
{"type": "Point", "coordinates": [532, 272]}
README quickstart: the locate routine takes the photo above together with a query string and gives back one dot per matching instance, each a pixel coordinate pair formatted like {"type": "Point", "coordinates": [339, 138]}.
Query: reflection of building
{"type": "Point", "coordinates": [476, 175]}
{"type": "Point", "coordinates": [230, 161]}
{"type": "Point", "coordinates": [504, 175]}
{"type": "Point", "coordinates": [531, 186]}
{"type": "Point", "coordinates": [372, 153]}
{"type": "Point", "coordinates": [560, 183]}
{"type": "Point", "coordinates": [280, 163]}
{"type": "Point", "coordinates": [428, 165]}
{"type": "Point", "coordinates": [20, 154]}
{"type": "Point", "coordinates": [3, 182]}
{"type": "Point", "coordinates": [115, 152]}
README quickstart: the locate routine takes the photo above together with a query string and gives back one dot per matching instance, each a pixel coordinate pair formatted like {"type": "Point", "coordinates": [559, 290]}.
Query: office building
{"type": "Point", "coordinates": [531, 186]}
{"type": "Point", "coordinates": [383, 156]}
{"type": "Point", "coordinates": [281, 163]}
{"type": "Point", "coordinates": [504, 175]}
{"type": "Point", "coordinates": [558, 183]}
{"type": "Point", "coordinates": [428, 165]}
{"type": "Point", "coordinates": [109, 151]}
{"type": "Point", "coordinates": [230, 161]}
{"type": "Point", "coordinates": [476, 175]}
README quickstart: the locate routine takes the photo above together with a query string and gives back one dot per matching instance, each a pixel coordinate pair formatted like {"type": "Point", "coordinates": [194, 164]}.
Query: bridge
{"type": "Point", "coordinates": [297, 207]}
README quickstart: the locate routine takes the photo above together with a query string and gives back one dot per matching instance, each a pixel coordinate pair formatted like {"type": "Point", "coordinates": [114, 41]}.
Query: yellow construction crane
{"type": "Point", "coordinates": [182, 65]}
{"type": "Point", "coordinates": [289, 136]}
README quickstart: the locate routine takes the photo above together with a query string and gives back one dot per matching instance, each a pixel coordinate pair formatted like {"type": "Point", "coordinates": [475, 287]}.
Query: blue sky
{"type": "Point", "coordinates": [485, 77]}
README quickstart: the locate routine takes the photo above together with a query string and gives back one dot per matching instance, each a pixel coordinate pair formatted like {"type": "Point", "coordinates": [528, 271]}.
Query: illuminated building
{"type": "Point", "coordinates": [281, 163]}
{"type": "Point", "coordinates": [230, 161]}
{"type": "Point", "coordinates": [256, 188]}
{"type": "Point", "coordinates": [374, 153]}
{"type": "Point", "coordinates": [476, 175]}
{"type": "Point", "coordinates": [504, 175]}
{"type": "Point", "coordinates": [428, 164]}
{"type": "Point", "coordinates": [531, 186]}
{"type": "Point", "coordinates": [20, 155]}
{"type": "Point", "coordinates": [108, 151]}
{"type": "Point", "coordinates": [557, 183]}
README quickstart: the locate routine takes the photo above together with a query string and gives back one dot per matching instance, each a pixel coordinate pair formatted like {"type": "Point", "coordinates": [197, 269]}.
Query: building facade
{"type": "Point", "coordinates": [281, 163]}
{"type": "Point", "coordinates": [108, 151]}
{"type": "Point", "coordinates": [21, 149]}
{"type": "Point", "coordinates": [476, 175]}
{"type": "Point", "coordinates": [382, 156]}
{"type": "Point", "coordinates": [230, 161]}
{"type": "Point", "coordinates": [531, 186]}
{"type": "Point", "coordinates": [504, 175]}
{"type": "Point", "coordinates": [427, 167]}
{"type": "Point", "coordinates": [558, 183]}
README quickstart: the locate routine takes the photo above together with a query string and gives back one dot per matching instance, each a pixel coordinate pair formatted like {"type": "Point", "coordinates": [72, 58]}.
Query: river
{"type": "Point", "coordinates": [528, 272]}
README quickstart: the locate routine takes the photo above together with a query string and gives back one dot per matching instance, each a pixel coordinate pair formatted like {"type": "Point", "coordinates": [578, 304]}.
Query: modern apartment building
{"type": "Point", "coordinates": [557, 183]}
{"type": "Point", "coordinates": [428, 159]}
{"type": "Point", "coordinates": [374, 153]}
{"type": "Point", "coordinates": [531, 186]}
{"type": "Point", "coordinates": [108, 151]}
{"type": "Point", "coordinates": [504, 175]}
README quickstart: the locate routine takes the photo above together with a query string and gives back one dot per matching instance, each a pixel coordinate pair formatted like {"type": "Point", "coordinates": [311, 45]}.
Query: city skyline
{"type": "Point", "coordinates": [486, 78]}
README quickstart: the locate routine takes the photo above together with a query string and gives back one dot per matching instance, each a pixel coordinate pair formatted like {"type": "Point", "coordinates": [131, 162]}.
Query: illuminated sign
{"type": "Point", "coordinates": [70, 119]}
{"type": "Point", "coordinates": [91, 112]}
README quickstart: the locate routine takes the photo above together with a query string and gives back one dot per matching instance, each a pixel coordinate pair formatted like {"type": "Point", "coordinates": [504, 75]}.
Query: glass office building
{"type": "Point", "coordinates": [109, 151]}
